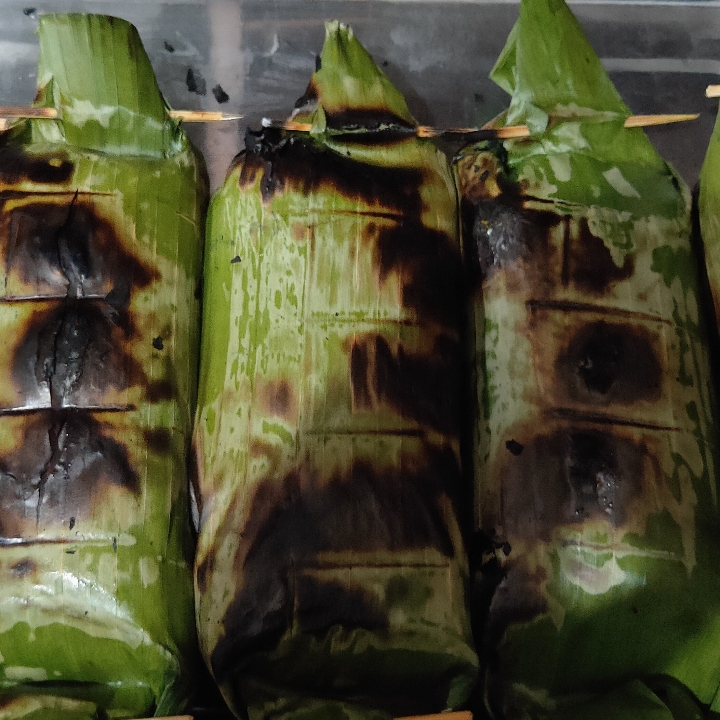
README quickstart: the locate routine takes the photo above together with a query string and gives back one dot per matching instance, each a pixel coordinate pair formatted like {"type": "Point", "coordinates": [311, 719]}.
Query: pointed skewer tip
{"type": "Point", "coordinates": [649, 120]}
{"type": "Point", "coordinates": [201, 116]}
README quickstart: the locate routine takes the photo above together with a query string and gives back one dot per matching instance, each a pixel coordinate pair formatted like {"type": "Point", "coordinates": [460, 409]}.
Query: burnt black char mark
{"type": "Point", "coordinates": [514, 447]}
{"type": "Point", "coordinates": [425, 387]}
{"type": "Point", "coordinates": [368, 119]}
{"type": "Point", "coordinates": [23, 568]}
{"type": "Point", "coordinates": [65, 247]}
{"type": "Point", "coordinates": [428, 261]}
{"type": "Point", "coordinates": [486, 555]}
{"type": "Point", "coordinates": [430, 269]}
{"type": "Point", "coordinates": [566, 477]}
{"type": "Point", "coordinates": [322, 604]}
{"type": "Point", "coordinates": [308, 100]}
{"type": "Point", "coordinates": [352, 117]}
{"type": "Point", "coordinates": [75, 350]}
{"type": "Point", "coordinates": [73, 250]}
{"type": "Point", "coordinates": [593, 269]}
{"type": "Point", "coordinates": [360, 378]}
{"type": "Point", "coordinates": [597, 481]}
{"type": "Point", "coordinates": [158, 440]}
{"type": "Point", "coordinates": [159, 390]}
{"type": "Point", "coordinates": [385, 135]}
{"type": "Point", "coordinates": [611, 363]}
{"type": "Point", "coordinates": [17, 166]}
{"type": "Point", "coordinates": [292, 521]}
{"type": "Point", "coordinates": [501, 234]}
{"type": "Point", "coordinates": [516, 598]}
{"type": "Point", "coordinates": [294, 163]}
{"type": "Point", "coordinates": [61, 462]}
{"type": "Point", "coordinates": [361, 690]}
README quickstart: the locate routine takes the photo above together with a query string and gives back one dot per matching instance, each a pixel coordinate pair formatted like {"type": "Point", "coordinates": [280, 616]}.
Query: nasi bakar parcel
{"type": "Point", "coordinates": [595, 441]}
{"type": "Point", "coordinates": [101, 227]}
{"type": "Point", "coordinates": [331, 576]}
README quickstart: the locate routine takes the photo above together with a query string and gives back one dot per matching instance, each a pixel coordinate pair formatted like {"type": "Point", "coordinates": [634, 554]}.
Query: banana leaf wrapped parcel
{"type": "Point", "coordinates": [330, 575]}
{"type": "Point", "coordinates": [595, 441]}
{"type": "Point", "coordinates": [101, 226]}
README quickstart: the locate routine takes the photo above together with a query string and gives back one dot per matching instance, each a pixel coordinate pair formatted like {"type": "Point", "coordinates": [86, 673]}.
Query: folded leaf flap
{"type": "Point", "coordinates": [550, 69]}
{"type": "Point", "coordinates": [94, 70]}
{"type": "Point", "coordinates": [579, 150]}
{"type": "Point", "coordinates": [348, 89]}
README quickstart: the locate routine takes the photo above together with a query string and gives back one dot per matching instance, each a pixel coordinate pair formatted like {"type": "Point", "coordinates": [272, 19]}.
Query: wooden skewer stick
{"type": "Point", "coordinates": [184, 115]}
{"type": "Point", "coordinates": [649, 120]}
{"type": "Point", "coordinates": [27, 112]}
{"type": "Point", "coordinates": [509, 131]}
{"type": "Point", "coordinates": [201, 116]}
{"type": "Point", "coordinates": [424, 131]}
{"type": "Point", "coordinates": [286, 125]}
{"type": "Point", "coordinates": [633, 121]}
{"type": "Point", "coordinates": [712, 91]}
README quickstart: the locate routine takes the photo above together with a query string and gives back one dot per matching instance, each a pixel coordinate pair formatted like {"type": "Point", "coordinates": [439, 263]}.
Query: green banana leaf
{"type": "Point", "coordinates": [709, 216]}
{"type": "Point", "coordinates": [561, 91]}
{"type": "Point", "coordinates": [595, 438]}
{"type": "Point", "coordinates": [101, 227]}
{"type": "Point", "coordinates": [348, 90]}
{"type": "Point", "coordinates": [330, 573]}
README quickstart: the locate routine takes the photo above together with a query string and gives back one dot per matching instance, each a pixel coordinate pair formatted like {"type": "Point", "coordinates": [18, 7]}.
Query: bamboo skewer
{"type": "Point", "coordinates": [423, 131]}
{"type": "Point", "coordinates": [515, 131]}
{"type": "Point", "coordinates": [649, 120]}
{"type": "Point", "coordinates": [509, 131]}
{"type": "Point", "coordinates": [27, 112]}
{"type": "Point", "coordinates": [201, 116]}
{"type": "Point", "coordinates": [501, 133]}
{"type": "Point", "coordinates": [184, 115]}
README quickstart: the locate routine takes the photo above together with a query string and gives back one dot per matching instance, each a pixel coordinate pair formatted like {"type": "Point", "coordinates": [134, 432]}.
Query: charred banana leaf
{"type": "Point", "coordinates": [594, 448]}
{"type": "Point", "coordinates": [330, 574]}
{"type": "Point", "coordinates": [101, 219]}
